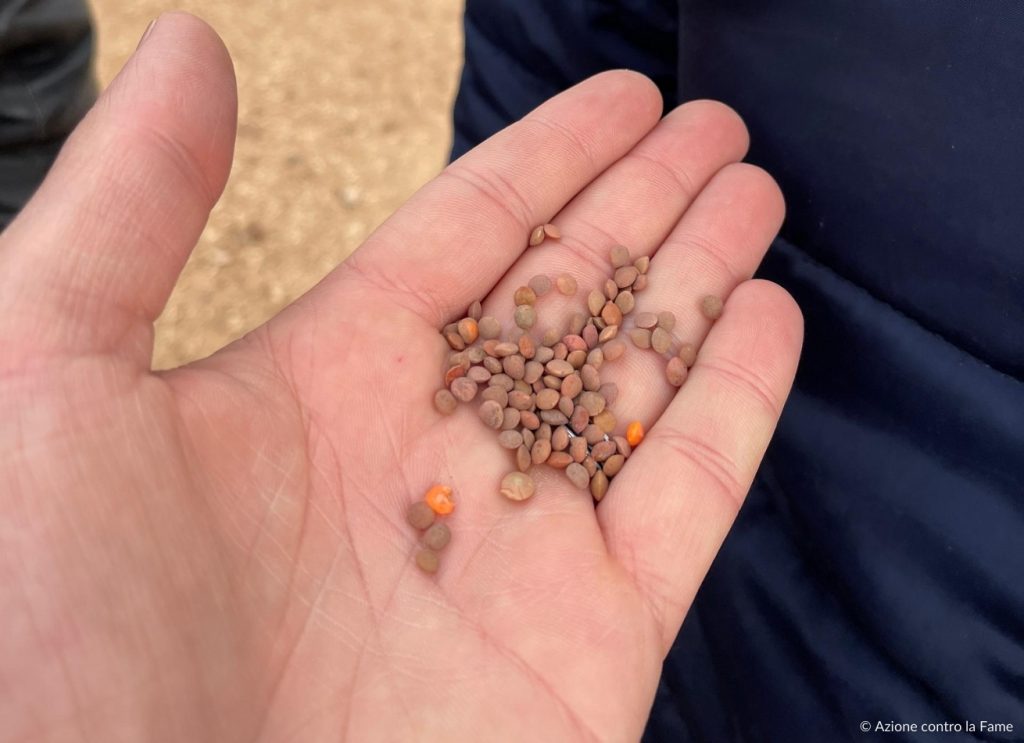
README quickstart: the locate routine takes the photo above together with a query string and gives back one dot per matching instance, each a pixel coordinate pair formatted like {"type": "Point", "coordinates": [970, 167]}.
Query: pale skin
{"type": "Point", "coordinates": [219, 552]}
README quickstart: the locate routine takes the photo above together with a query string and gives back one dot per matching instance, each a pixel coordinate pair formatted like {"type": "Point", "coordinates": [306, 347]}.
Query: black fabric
{"type": "Point", "coordinates": [875, 573]}
{"type": "Point", "coordinates": [46, 86]}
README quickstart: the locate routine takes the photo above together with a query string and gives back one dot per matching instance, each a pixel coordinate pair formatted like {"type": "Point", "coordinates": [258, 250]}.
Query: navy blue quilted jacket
{"type": "Point", "coordinates": [876, 572]}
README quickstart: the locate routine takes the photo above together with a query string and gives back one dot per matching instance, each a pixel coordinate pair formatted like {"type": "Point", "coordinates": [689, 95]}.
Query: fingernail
{"type": "Point", "coordinates": [149, 30]}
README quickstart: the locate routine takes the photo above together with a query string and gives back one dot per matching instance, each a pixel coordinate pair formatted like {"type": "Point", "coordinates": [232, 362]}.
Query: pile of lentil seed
{"type": "Point", "coordinates": [544, 397]}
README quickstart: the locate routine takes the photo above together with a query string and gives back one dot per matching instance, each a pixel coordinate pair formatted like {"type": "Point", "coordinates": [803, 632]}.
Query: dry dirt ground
{"type": "Point", "coordinates": [344, 111]}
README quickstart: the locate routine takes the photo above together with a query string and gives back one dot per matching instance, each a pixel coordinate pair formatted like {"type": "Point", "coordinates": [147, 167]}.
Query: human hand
{"type": "Point", "coordinates": [219, 552]}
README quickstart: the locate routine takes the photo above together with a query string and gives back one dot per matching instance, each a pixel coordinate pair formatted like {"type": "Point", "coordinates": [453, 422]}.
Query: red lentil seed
{"type": "Point", "coordinates": [428, 561]}
{"type": "Point", "coordinates": [635, 433]}
{"type": "Point", "coordinates": [540, 284]}
{"type": "Point", "coordinates": [553, 382]}
{"type": "Point", "coordinates": [595, 303]}
{"type": "Point", "coordinates": [675, 371]}
{"type": "Point", "coordinates": [505, 348]}
{"type": "Point", "coordinates": [492, 414]}
{"type": "Point", "coordinates": [566, 285]}
{"type": "Point", "coordinates": [517, 486]}
{"type": "Point", "coordinates": [520, 400]}
{"type": "Point", "coordinates": [661, 341]}
{"type": "Point", "coordinates": [420, 515]}
{"type": "Point", "coordinates": [468, 330]}
{"type": "Point", "coordinates": [613, 465]}
{"type": "Point", "coordinates": [437, 536]}
{"type": "Point", "coordinates": [711, 307]}
{"type": "Point", "coordinates": [598, 485]}
{"type": "Point", "coordinates": [577, 475]}
{"type": "Point", "coordinates": [551, 231]}
{"type": "Point", "coordinates": [514, 366]}
{"type": "Point", "coordinates": [614, 349]}
{"type": "Point", "coordinates": [524, 295]}
{"type": "Point", "coordinates": [559, 368]}
{"type": "Point", "coordinates": [532, 371]}
{"type": "Point", "coordinates": [619, 256]}
{"type": "Point", "coordinates": [536, 236]}
{"type": "Point", "coordinates": [641, 338]}
{"type": "Point", "coordinates": [688, 354]}
{"type": "Point", "coordinates": [544, 432]}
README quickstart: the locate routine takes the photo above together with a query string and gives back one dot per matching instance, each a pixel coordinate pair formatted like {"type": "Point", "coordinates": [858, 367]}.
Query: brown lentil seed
{"type": "Point", "coordinates": [572, 386]}
{"type": "Point", "coordinates": [489, 327]}
{"type": "Point", "coordinates": [464, 389]}
{"type": "Point", "coordinates": [577, 321]}
{"type": "Point", "coordinates": [544, 355]}
{"type": "Point", "coordinates": [611, 314]}
{"type": "Point", "coordinates": [532, 371]}
{"type": "Point", "coordinates": [625, 276]}
{"type": "Point", "coordinates": [640, 283]}
{"type": "Point", "coordinates": [475, 310]}
{"type": "Point", "coordinates": [577, 475]}
{"type": "Point", "coordinates": [623, 445]}
{"type": "Point", "coordinates": [520, 400]}
{"type": "Point", "coordinates": [517, 486]}
{"type": "Point", "coordinates": [595, 358]}
{"type": "Point", "coordinates": [492, 414]}
{"type": "Point", "coordinates": [613, 465]}
{"type": "Point", "coordinates": [610, 392]}
{"type": "Point", "coordinates": [536, 235]}
{"type": "Point", "coordinates": [580, 418]}
{"type": "Point", "coordinates": [527, 348]}
{"type": "Point", "coordinates": [590, 466]}
{"type": "Point", "coordinates": [559, 439]}
{"type": "Point", "coordinates": [578, 449]}
{"type": "Point", "coordinates": [590, 336]}
{"type": "Point", "coordinates": [544, 432]}
{"type": "Point", "coordinates": [608, 333]}
{"type": "Point", "coordinates": [528, 438]}
{"type": "Point", "coordinates": [525, 316]}
{"type": "Point", "coordinates": [454, 340]}
{"type": "Point", "coordinates": [550, 380]}
{"type": "Point", "coordinates": [611, 289]}
{"type": "Point", "coordinates": [575, 342]}
{"type": "Point", "coordinates": [554, 417]}
{"type": "Point", "coordinates": [510, 419]}
{"type": "Point", "coordinates": [560, 351]}
{"type": "Point", "coordinates": [475, 354]}
{"type": "Point", "coordinates": [549, 338]}
{"type": "Point", "coordinates": [688, 353]}
{"type": "Point", "coordinates": [592, 434]}
{"type": "Point", "coordinates": [547, 399]}
{"type": "Point", "coordinates": [666, 320]}
{"type": "Point", "coordinates": [478, 374]}
{"type": "Point", "coordinates": [577, 359]}
{"type": "Point", "coordinates": [619, 256]}
{"type": "Point", "coordinates": [559, 368]}
{"type": "Point", "coordinates": [468, 329]}
{"type": "Point", "coordinates": [502, 380]}
{"type": "Point", "coordinates": [711, 307]}
{"type": "Point", "coordinates": [540, 284]}
{"type": "Point", "coordinates": [645, 320]}
{"type": "Point", "coordinates": [523, 387]}
{"type": "Point", "coordinates": [428, 561]}
{"type": "Point", "coordinates": [642, 263]}
{"type": "Point", "coordinates": [614, 349]}
{"type": "Point", "coordinates": [590, 378]}
{"type": "Point", "coordinates": [559, 460]}
{"type": "Point", "coordinates": [566, 285]}
{"type": "Point", "coordinates": [510, 439]}
{"type": "Point", "coordinates": [523, 461]}
{"type": "Point", "coordinates": [605, 420]}
{"type": "Point", "coordinates": [598, 485]}
{"type": "Point", "coordinates": [602, 450]}
{"type": "Point", "coordinates": [540, 451]}
{"type": "Point", "coordinates": [599, 323]}
{"type": "Point", "coordinates": [529, 420]}
{"type": "Point", "coordinates": [565, 405]}
{"type": "Point", "coordinates": [595, 301]}
{"type": "Point", "coordinates": [551, 231]}
{"type": "Point", "coordinates": [505, 348]}
{"type": "Point", "coordinates": [437, 536]}
{"type": "Point", "coordinates": [661, 340]}
{"type": "Point", "coordinates": [497, 394]}
{"type": "Point", "coordinates": [675, 371]}
{"type": "Point", "coordinates": [625, 302]}
{"type": "Point", "coordinates": [524, 295]}
{"type": "Point", "coordinates": [641, 338]}
{"type": "Point", "coordinates": [514, 366]}
{"type": "Point", "coordinates": [493, 365]}
{"type": "Point", "coordinates": [420, 515]}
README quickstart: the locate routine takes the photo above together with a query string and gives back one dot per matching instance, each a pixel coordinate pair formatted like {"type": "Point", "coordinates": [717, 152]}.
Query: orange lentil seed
{"type": "Point", "coordinates": [635, 433]}
{"type": "Point", "coordinates": [440, 499]}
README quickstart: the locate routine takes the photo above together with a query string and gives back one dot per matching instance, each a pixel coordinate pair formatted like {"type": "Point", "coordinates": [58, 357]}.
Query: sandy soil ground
{"type": "Point", "coordinates": [344, 112]}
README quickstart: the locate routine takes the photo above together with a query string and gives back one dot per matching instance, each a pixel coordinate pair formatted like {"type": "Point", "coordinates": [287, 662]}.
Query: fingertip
{"type": "Point", "coordinates": [722, 119]}
{"type": "Point", "coordinates": [634, 90]}
{"type": "Point", "coordinates": [774, 311]}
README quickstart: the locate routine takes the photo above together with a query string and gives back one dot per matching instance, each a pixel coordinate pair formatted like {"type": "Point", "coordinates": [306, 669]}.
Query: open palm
{"type": "Point", "coordinates": [220, 552]}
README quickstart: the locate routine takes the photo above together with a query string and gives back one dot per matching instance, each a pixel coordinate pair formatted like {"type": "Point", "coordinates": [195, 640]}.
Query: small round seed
{"type": "Point", "coordinates": [566, 284]}
{"type": "Point", "coordinates": [551, 231]}
{"type": "Point", "coordinates": [641, 338]}
{"type": "Point", "coordinates": [502, 380]}
{"type": "Point", "coordinates": [642, 263]}
{"type": "Point", "coordinates": [578, 449]}
{"type": "Point", "coordinates": [475, 354]}
{"type": "Point", "coordinates": [540, 284]}
{"type": "Point", "coordinates": [577, 321]}
{"type": "Point", "coordinates": [510, 439]}
{"type": "Point", "coordinates": [666, 320]}
{"type": "Point", "coordinates": [688, 353]}
{"type": "Point", "coordinates": [527, 347]}
{"type": "Point", "coordinates": [595, 302]}
{"type": "Point", "coordinates": [613, 465]}
{"type": "Point", "coordinates": [566, 406]}
{"type": "Point", "coordinates": [523, 460]}
{"type": "Point", "coordinates": [517, 486]}
{"type": "Point", "coordinates": [560, 351]}
{"type": "Point", "coordinates": [640, 283]}
{"type": "Point", "coordinates": [454, 373]}
{"type": "Point", "coordinates": [492, 414]}
{"type": "Point", "coordinates": [602, 450]}
{"type": "Point", "coordinates": [611, 289]}
{"type": "Point", "coordinates": [559, 368]}
{"type": "Point", "coordinates": [559, 460]}
{"type": "Point", "coordinates": [489, 327]}
{"type": "Point", "coordinates": [559, 439]}
{"type": "Point", "coordinates": [475, 310]}
{"type": "Point", "coordinates": [625, 276]}
{"type": "Point", "coordinates": [625, 302]}
{"type": "Point", "coordinates": [420, 515]}
{"type": "Point", "coordinates": [529, 420]}
{"type": "Point", "coordinates": [523, 387]}
{"type": "Point", "coordinates": [635, 433]}
{"type": "Point", "coordinates": [468, 329]}
{"type": "Point", "coordinates": [544, 432]}
{"type": "Point", "coordinates": [572, 385]}
{"type": "Point", "coordinates": [537, 235]}
{"type": "Point", "coordinates": [608, 333]}
{"type": "Point", "coordinates": [550, 380]}
{"type": "Point", "coordinates": [611, 314]}
{"type": "Point", "coordinates": [445, 402]}
{"type": "Point", "coordinates": [525, 316]}
{"type": "Point", "coordinates": [577, 359]}
{"type": "Point", "coordinates": [598, 485]}
{"type": "Point", "coordinates": [528, 438]}
{"type": "Point", "coordinates": [510, 419]}
{"type": "Point", "coordinates": [593, 402]}
{"type": "Point", "coordinates": [711, 307]}
{"type": "Point", "coordinates": [605, 420]}
{"type": "Point", "coordinates": [624, 447]}
{"type": "Point", "coordinates": [590, 466]}
{"type": "Point", "coordinates": [614, 349]}
{"type": "Point", "coordinates": [575, 342]}
{"type": "Point", "coordinates": [428, 561]}
{"type": "Point", "coordinates": [532, 371]}
{"type": "Point", "coordinates": [554, 417]}
{"type": "Point", "coordinates": [492, 364]}
{"type": "Point", "coordinates": [514, 366]}
{"type": "Point", "coordinates": [610, 392]}
{"type": "Point", "coordinates": [590, 336]}
{"type": "Point", "coordinates": [547, 399]}
{"type": "Point", "coordinates": [454, 339]}
{"type": "Point", "coordinates": [497, 394]}
{"type": "Point", "coordinates": [661, 341]}
{"type": "Point", "coordinates": [464, 389]}
{"type": "Point", "coordinates": [577, 475]}
{"type": "Point", "coordinates": [675, 371]}
{"type": "Point", "coordinates": [590, 378]}
{"type": "Point", "coordinates": [540, 451]}
{"type": "Point", "coordinates": [593, 434]}
{"type": "Point", "coordinates": [505, 348]}
{"type": "Point", "coordinates": [437, 536]}
{"type": "Point", "coordinates": [524, 295]}
{"type": "Point", "coordinates": [619, 256]}
{"type": "Point", "coordinates": [580, 418]}
{"type": "Point", "coordinates": [520, 400]}
{"type": "Point", "coordinates": [645, 320]}
{"type": "Point", "coordinates": [595, 358]}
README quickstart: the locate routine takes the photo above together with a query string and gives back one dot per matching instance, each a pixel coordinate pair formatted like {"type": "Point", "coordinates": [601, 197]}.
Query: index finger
{"type": "Point", "coordinates": [456, 237]}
